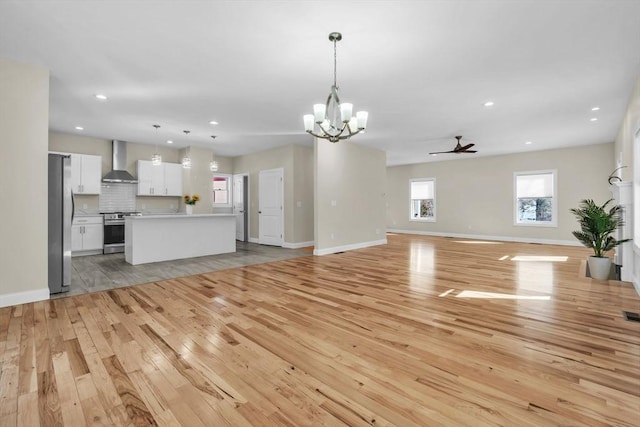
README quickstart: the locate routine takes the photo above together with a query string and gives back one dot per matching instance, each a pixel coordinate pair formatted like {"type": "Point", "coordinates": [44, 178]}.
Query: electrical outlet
{"type": "Point", "coordinates": [334, 203]}
{"type": "Point", "coordinates": [333, 236]}
{"type": "Point", "coordinates": [299, 204]}
{"type": "Point", "coordinates": [377, 231]}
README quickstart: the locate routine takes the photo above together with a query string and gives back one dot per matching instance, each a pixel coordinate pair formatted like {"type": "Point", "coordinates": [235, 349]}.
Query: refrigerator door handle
{"type": "Point", "coordinates": [73, 206]}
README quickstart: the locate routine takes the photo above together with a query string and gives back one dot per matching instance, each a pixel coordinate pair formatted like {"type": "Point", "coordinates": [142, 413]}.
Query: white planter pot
{"type": "Point", "coordinates": [189, 209]}
{"type": "Point", "coordinates": [599, 268]}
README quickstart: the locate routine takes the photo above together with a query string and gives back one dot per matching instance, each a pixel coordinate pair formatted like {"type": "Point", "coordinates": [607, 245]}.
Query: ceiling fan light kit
{"type": "Point", "coordinates": [335, 121]}
{"type": "Point", "coordinates": [459, 148]}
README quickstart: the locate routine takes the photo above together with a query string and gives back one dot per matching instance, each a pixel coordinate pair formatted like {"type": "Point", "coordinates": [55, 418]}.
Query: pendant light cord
{"type": "Point", "coordinates": [335, 61]}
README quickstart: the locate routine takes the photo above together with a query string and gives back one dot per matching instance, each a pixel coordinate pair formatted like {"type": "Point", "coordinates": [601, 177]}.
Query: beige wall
{"type": "Point", "coordinates": [298, 222]}
{"type": "Point", "coordinates": [354, 177]}
{"type": "Point", "coordinates": [198, 179]}
{"type": "Point", "coordinates": [303, 193]}
{"type": "Point", "coordinates": [24, 122]}
{"type": "Point", "coordinates": [474, 196]}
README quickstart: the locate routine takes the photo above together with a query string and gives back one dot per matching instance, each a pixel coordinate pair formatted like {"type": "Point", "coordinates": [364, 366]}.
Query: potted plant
{"type": "Point", "coordinates": [597, 224]}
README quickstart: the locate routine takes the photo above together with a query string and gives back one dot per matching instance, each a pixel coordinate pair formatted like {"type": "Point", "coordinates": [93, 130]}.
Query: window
{"type": "Point", "coordinates": [535, 198]}
{"type": "Point", "coordinates": [221, 191]}
{"type": "Point", "coordinates": [423, 199]}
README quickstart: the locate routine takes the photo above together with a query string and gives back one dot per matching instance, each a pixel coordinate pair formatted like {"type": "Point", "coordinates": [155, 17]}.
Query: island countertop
{"type": "Point", "coordinates": [175, 215]}
{"type": "Point", "coordinates": [154, 238]}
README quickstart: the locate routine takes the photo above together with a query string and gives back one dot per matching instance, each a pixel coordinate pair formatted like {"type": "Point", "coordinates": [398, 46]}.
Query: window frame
{"type": "Point", "coordinates": [554, 199]}
{"type": "Point", "coordinates": [229, 179]}
{"type": "Point", "coordinates": [418, 219]}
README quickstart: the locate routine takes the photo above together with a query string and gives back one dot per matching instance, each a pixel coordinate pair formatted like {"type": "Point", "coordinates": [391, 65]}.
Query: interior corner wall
{"type": "Point", "coordinates": [24, 124]}
{"type": "Point", "coordinates": [198, 179]}
{"type": "Point", "coordinates": [475, 196]}
{"type": "Point", "coordinates": [350, 182]}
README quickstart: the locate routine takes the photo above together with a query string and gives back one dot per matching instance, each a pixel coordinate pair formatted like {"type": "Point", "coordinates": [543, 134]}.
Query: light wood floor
{"type": "Point", "coordinates": [389, 335]}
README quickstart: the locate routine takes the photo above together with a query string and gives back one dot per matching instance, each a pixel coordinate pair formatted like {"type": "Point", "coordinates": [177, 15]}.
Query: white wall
{"type": "Point", "coordinates": [349, 196]}
{"type": "Point", "coordinates": [474, 196]}
{"type": "Point", "coordinates": [24, 123]}
{"type": "Point", "coordinates": [630, 157]}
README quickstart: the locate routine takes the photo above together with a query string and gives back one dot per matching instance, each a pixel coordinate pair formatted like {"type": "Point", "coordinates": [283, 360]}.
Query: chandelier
{"type": "Point", "coordinates": [335, 120]}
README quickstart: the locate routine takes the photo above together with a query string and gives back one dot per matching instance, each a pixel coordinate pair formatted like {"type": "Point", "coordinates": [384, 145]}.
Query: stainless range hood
{"type": "Point", "coordinates": [119, 168]}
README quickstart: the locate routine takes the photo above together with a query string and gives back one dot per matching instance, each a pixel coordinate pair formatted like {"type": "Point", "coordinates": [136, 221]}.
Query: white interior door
{"type": "Point", "coordinates": [270, 202]}
{"type": "Point", "coordinates": [239, 208]}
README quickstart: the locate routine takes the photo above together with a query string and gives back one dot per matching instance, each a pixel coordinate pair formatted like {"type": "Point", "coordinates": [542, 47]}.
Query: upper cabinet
{"type": "Point", "coordinates": [161, 180]}
{"type": "Point", "coordinates": [86, 173]}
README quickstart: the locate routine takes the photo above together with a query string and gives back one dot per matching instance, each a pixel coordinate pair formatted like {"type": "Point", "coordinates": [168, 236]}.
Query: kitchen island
{"type": "Point", "coordinates": [154, 238]}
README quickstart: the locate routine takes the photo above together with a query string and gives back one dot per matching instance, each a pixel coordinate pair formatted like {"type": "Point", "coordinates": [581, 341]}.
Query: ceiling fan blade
{"type": "Point", "coordinates": [442, 152]}
{"type": "Point", "coordinates": [466, 147]}
{"type": "Point", "coordinates": [468, 151]}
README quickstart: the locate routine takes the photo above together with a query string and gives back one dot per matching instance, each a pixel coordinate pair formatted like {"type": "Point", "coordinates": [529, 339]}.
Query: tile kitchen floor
{"type": "Point", "coordinates": [102, 272]}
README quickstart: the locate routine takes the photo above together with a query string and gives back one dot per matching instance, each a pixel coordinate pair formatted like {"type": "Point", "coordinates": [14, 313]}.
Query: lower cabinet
{"type": "Point", "coordinates": [87, 235]}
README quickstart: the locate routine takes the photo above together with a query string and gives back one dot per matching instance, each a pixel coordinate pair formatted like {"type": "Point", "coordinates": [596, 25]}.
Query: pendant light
{"type": "Point", "coordinates": [186, 160]}
{"type": "Point", "coordinates": [156, 159]}
{"type": "Point", "coordinates": [213, 166]}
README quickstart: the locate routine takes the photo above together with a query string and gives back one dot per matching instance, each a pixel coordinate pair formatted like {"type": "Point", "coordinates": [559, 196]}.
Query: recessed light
{"type": "Point", "coordinates": [101, 97]}
{"type": "Point", "coordinates": [595, 109]}
{"type": "Point", "coordinates": [213, 122]}
{"type": "Point", "coordinates": [79, 128]}
{"type": "Point", "coordinates": [433, 154]}
{"type": "Point", "coordinates": [593, 119]}
{"type": "Point", "coordinates": [528, 143]}
{"type": "Point", "coordinates": [169, 141]}
{"type": "Point", "coordinates": [488, 104]}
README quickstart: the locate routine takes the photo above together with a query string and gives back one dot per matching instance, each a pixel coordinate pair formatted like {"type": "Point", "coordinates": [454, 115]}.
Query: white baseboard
{"type": "Point", "coordinates": [16, 298]}
{"type": "Point", "coordinates": [298, 245]}
{"type": "Point", "coordinates": [333, 250]}
{"type": "Point", "coordinates": [486, 237]}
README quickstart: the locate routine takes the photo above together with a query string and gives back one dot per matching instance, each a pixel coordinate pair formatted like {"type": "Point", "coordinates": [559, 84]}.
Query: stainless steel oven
{"type": "Point", "coordinates": [114, 231]}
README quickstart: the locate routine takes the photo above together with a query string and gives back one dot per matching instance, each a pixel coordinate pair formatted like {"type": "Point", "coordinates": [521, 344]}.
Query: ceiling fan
{"type": "Point", "coordinates": [458, 148]}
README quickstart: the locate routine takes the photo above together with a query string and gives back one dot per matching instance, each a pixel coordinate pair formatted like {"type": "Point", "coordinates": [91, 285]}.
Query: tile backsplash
{"type": "Point", "coordinates": [118, 197]}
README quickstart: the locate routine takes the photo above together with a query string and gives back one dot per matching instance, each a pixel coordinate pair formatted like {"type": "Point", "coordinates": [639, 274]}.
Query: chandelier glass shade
{"type": "Point", "coordinates": [186, 160]}
{"type": "Point", "coordinates": [335, 121]}
{"type": "Point", "coordinates": [156, 159]}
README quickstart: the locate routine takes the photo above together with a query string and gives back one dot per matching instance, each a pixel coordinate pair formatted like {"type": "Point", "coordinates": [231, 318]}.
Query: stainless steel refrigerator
{"type": "Point", "coordinates": [60, 217]}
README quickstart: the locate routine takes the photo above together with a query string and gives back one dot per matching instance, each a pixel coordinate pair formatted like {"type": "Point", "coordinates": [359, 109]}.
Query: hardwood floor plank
{"type": "Point", "coordinates": [421, 331]}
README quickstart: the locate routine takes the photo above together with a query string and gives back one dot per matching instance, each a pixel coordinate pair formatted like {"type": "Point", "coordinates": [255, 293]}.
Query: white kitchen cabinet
{"type": "Point", "coordinates": [87, 235]}
{"type": "Point", "coordinates": [173, 179]}
{"type": "Point", "coordinates": [86, 173]}
{"type": "Point", "coordinates": [161, 180]}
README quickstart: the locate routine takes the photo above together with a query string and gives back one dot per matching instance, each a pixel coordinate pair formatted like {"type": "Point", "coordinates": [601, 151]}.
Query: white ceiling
{"type": "Point", "coordinates": [422, 69]}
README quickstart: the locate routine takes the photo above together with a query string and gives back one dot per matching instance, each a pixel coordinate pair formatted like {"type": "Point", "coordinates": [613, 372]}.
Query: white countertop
{"type": "Point", "coordinates": [176, 216]}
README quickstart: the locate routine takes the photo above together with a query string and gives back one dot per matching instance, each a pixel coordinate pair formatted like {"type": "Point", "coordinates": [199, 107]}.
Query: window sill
{"type": "Point", "coordinates": [422, 219]}
{"type": "Point", "coordinates": [536, 224]}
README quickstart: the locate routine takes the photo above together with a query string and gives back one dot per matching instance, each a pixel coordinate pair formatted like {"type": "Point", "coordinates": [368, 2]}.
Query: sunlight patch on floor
{"type": "Point", "coordinates": [533, 258]}
{"type": "Point", "coordinates": [477, 242]}
{"type": "Point", "coordinates": [494, 295]}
